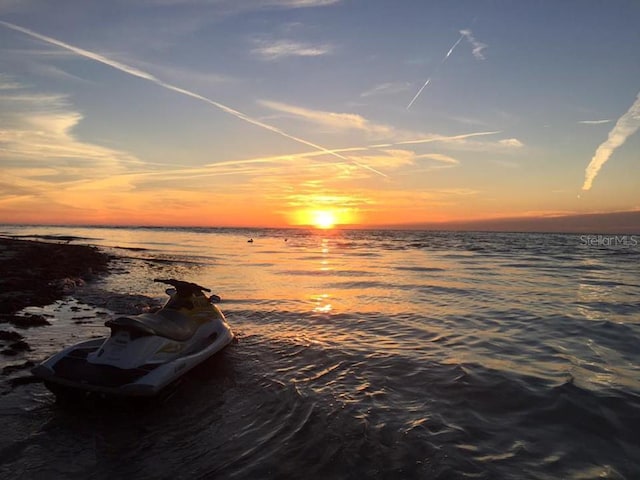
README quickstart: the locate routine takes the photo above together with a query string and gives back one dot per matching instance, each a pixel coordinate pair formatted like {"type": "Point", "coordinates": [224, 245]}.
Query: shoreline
{"type": "Point", "coordinates": [36, 274]}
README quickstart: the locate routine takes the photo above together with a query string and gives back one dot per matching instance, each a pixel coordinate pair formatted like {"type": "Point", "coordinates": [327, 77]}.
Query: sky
{"type": "Point", "coordinates": [325, 112]}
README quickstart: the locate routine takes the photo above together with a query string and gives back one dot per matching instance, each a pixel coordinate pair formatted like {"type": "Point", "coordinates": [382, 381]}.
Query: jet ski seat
{"type": "Point", "coordinates": [165, 323]}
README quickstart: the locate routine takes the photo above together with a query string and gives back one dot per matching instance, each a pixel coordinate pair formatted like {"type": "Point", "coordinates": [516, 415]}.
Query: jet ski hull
{"type": "Point", "coordinates": [70, 370]}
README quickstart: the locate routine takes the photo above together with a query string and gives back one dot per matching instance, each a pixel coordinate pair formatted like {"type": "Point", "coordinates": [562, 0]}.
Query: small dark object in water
{"type": "Point", "coordinates": [250, 240]}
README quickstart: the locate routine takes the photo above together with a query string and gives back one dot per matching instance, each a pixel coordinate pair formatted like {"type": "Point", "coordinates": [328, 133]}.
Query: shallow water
{"type": "Point", "coordinates": [362, 355]}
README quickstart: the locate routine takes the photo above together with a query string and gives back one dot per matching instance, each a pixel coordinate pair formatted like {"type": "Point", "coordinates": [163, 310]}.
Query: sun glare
{"type": "Point", "coordinates": [324, 219]}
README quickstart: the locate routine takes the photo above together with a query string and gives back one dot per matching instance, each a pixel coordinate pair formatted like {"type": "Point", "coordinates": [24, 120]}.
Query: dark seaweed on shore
{"type": "Point", "coordinates": [34, 273]}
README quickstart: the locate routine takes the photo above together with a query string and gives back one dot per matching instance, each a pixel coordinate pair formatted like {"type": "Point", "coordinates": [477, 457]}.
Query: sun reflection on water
{"type": "Point", "coordinates": [322, 304]}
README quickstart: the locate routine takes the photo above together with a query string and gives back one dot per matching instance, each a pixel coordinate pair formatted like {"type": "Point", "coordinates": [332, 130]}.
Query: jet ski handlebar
{"type": "Point", "coordinates": [183, 288]}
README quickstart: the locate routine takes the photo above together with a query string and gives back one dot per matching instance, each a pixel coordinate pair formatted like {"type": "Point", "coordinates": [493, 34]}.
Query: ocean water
{"type": "Point", "coordinates": [361, 354]}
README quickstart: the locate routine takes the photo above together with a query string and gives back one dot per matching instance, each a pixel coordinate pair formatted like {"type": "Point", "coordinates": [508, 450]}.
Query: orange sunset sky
{"type": "Point", "coordinates": [321, 112]}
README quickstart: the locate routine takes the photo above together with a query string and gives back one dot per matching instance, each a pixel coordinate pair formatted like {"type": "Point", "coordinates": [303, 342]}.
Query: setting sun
{"type": "Point", "coordinates": [324, 219]}
{"type": "Point", "coordinates": [323, 215]}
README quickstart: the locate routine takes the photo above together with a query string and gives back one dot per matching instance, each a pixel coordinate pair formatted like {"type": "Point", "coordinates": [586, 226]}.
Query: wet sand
{"type": "Point", "coordinates": [38, 273]}
{"type": "Point", "coordinates": [35, 274]}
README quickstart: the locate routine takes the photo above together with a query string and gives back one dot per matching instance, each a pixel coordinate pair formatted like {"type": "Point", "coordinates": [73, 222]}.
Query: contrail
{"type": "Point", "coordinates": [444, 138]}
{"type": "Point", "coordinates": [429, 79]}
{"type": "Point", "coordinates": [440, 138]}
{"type": "Point", "coordinates": [213, 169]}
{"type": "Point", "coordinates": [419, 92]}
{"type": "Point", "coordinates": [149, 77]}
{"type": "Point", "coordinates": [626, 126]}
{"type": "Point", "coordinates": [477, 52]}
{"type": "Point", "coordinates": [452, 48]}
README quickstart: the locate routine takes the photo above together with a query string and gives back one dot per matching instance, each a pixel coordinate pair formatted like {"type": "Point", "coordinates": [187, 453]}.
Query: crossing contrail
{"type": "Point", "coordinates": [149, 77]}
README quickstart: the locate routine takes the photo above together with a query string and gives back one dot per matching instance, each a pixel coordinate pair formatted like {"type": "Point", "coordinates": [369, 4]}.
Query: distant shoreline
{"type": "Point", "coordinates": [615, 223]}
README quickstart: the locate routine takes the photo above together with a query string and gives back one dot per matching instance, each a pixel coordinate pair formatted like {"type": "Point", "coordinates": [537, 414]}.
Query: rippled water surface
{"type": "Point", "coordinates": [362, 354]}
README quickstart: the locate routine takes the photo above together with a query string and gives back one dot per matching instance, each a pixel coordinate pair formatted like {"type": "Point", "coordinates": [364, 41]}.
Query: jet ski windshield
{"type": "Point", "coordinates": [184, 289]}
{"type": "Point", "coordinates": [184, 293]}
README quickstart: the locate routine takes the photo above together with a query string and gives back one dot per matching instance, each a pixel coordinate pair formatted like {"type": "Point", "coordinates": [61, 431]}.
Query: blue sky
{"type": "Point", "coordinates": [263, 112]}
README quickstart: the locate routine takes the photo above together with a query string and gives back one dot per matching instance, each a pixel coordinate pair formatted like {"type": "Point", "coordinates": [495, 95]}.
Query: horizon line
{"type": "Point", "coordinates": [490, 225]}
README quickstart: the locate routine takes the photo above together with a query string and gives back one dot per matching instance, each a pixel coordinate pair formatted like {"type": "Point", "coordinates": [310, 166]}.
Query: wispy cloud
{"type": "Point", "coordinates": [301, 3]}
{"type": "Point", "coordinates": [438, 157]}
{"type": "Point", "coordinates": [504, 146]}
{"type": "Point", "coordinates": [476, 46]}
{"type": "Point", "coordinates": [245, 5]}
{"type": "Point", "coordinates": [338, 122]}
{"type": "Point", "coordinates": [389, 88]}
{"type": "Point", "coordinates": [149, 77]}
{"type": "Point", "coordinates": [594, 122]}
{"type": "Point", "coordinates": [626, 126]}
{"type": "Point", "coordinates": [275, 50]}
{"type": "Point", "coordinates": [333, 120]}
{"type": "Point", "coordinates": [7, 83]}
{"type": "Point", "coordinates": [40, 131]}
{"type": "Point", "coordinates": [511, 142]}
{"type": "Point", "coordinates": [42, 162]}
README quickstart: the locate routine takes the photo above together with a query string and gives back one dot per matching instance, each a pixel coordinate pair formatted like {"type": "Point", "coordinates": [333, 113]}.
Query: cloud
{"type": "Point", "coordinates": [456, 139]}
{"type": "Point", "coordinates": [511, 142]}
{"type": "Point", "coordinates": [231, 6]}
{"type": "Point", "coordinates": [438, 157]}
{"type": "Point", "coordinates": [147, 76]}
{"type": "Point", "coordinates": [332, 120]}
{"type": "Point", "coordinates": [626, 126]}
{"type": "Point", "coordinates": [594, 122]}
{"type": "Point", "coordinates": [386, 89]}
{"type": "Point", "coordinates": [477, 47]}
{"type": "Point", "coordinates": [7, 83]}
{"type": "Point", "coordinates": [466, 142]}
{"type": "Point", "coordinates": [301, 3]}
{"type": "Point", "coordinates": [279, 167]}
{"type": "Point", "coordinates": [37, 129]}
{"type": "Point", "coordinates": [44, 164]}
{"type": "Point", "coordinates": [278, 49]}
{"type": "Point", "coordinates": [389, 159]}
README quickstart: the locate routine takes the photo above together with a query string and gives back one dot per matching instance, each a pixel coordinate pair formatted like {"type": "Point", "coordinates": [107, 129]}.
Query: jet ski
{"type": "Point", "coordinates": [145, 353]}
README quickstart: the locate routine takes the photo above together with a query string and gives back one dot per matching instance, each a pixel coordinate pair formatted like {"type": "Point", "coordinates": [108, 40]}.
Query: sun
{"type": "Point", "coordinates": [323, 219]}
